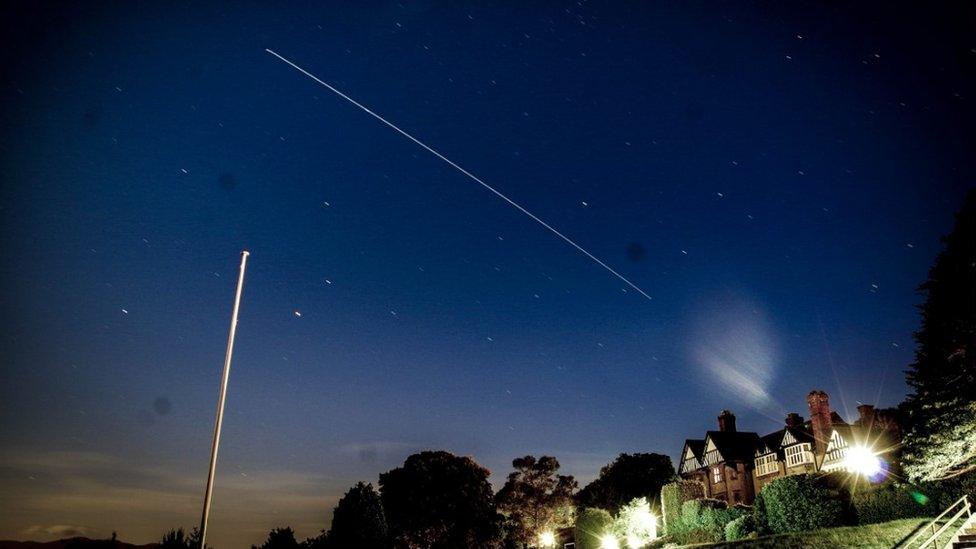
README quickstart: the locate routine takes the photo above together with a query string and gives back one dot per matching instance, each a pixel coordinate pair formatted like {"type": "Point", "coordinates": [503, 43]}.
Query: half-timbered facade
{"type": "Point", "coordinates": [734, 466]}
{"type": "Point", "coordinates": [722, 461]}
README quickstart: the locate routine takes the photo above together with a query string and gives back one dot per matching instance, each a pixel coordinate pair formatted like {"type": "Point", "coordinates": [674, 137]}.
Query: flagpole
{"type": "Point", "coordinates": [220, 404]}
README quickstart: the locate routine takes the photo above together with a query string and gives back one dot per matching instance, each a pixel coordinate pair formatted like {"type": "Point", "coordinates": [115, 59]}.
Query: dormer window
{"type": "Point", "coordinates": [766, 465]}
{"type": "Point", "coordinates": [799, 454]}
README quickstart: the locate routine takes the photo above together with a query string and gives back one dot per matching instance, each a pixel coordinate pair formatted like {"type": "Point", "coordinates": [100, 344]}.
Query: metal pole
{"type": "Point", "coordinates": [220, 404]}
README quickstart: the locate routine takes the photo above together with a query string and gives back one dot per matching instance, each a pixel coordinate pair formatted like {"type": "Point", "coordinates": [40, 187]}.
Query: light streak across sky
{"type": "Point", "coordinates": [470, 175]}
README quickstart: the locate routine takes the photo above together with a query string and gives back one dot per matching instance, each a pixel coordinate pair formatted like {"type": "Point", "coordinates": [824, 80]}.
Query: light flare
{"type": "Point", "coordinates": [864, 461]}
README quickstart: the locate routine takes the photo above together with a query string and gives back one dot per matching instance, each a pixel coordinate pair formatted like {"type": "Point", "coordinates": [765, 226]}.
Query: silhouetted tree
{"type": "Point", "coordinates": [940, 441]}
{"type": "Point", "coordinates": [358, 521]}
{"type": "Point", "coordinates": [280, 538]}
{"type": "Point", "coordinates": [320, 541]}
{"type": "Point", "coordinates": [439, 500]}
{"type": "Point", "coordinates": [177, 539]}
{"type": "Point", "coordinates": [628, 477]}
{"type": "Point", "coordinates": [535, 498]}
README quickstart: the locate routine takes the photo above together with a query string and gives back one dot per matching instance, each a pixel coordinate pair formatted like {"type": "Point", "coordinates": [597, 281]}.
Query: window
{"type": "Point", "coordinates": [717, 474]}
{"type": "Point", "coordinates": [798, 454]}
{"type": "Point", "coordinates": [766, 465]}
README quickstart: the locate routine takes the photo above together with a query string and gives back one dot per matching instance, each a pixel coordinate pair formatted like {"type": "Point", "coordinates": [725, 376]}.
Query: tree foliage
{"type": "Point", "coordinates": [940, 441]}
{"type": "Point", "coordinates": [629, 476]}
{"type": "Point", "coordinates": [180, 539]}
{"type": "Point", "coordinates": [591, 525]}
{"type": "Point", "coordinates": [358, 521]}
{"type": "Point", "coordinates": [439, 500]}
{"type": "Point", "coordinates": [635, 523]}
{"type": "Point", "coordinates": [536, 498]}
{"type": "Point", "coordinates": [280, 538]}
{"type": "Point", "coordinates": [176, 539]}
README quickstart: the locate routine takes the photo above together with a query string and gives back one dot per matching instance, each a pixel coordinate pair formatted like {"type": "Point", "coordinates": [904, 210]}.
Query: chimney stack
{"type": "Point", "coordinates": [794, 420]}
{"type": "Point", "coordinates": [866, 412]}
{"type": "Point", "coordinates": [726, 421]}
{"type": "Point", "coordinates": [820, 421]}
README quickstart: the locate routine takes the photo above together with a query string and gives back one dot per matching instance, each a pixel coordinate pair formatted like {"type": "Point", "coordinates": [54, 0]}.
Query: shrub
{"type": "Point", "coordinates": [697, 535]}
{"type": "Point", "coordinates": [673, 495]}
{"type": "Point", "coordinates": [798, 503]}
{"type": "Point", "coordinates": [895, 501]}
{"type": "Point", "coordinates": [740, 528]}
{"type": "Point", "coordinates": [591, 524]}
{"type": "Point", "coordinates": [629, 523]}
{"type": "Point", "coordinates": [691, 511]}
{"type": "Point", "coordinates": [942, 493]}
{"type": "Point", "coordinates": [706, 519]}
{"type": "Point", "coordinates": [888, 503]}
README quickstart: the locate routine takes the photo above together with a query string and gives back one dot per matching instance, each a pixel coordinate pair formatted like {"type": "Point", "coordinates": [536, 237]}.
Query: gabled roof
{"type": "Point", "coordinates": [770, 443]}
{"type": "Point", "coordinates": [798, 435]}
{"type": "Point", "coordinates": [696, 447]}
{"type": "Point", "coordinates": [733, 445]}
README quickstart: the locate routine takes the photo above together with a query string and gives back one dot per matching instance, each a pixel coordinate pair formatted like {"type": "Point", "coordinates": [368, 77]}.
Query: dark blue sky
{"type": "Point", "coordinates": [776, 176]}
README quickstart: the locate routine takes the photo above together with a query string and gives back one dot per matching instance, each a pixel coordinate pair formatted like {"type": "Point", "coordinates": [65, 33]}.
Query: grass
{"type": "Point", "coordinates": [884, 535]}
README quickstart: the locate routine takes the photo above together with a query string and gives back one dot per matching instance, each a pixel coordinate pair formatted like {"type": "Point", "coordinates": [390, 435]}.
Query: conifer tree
{"type": "Point", "coordinates": [940, 439]}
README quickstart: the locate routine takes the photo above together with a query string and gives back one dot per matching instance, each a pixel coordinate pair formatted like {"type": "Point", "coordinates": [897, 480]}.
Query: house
{"type": "Point", "coordinates": [734, 466]}
{"type": "Point", "coordinates": [692, 464]}
{"type": "Point", "coordinates": [722, 461]}
{"type": "Point", "coordinates": [788, 451]}
{"type": "Point", "coordinates": [876, 429]}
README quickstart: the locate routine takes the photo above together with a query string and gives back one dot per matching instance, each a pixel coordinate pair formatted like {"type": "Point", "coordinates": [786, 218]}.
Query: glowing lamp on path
{"type": "Point", "coordinates": [861, 460]}
{"type": "Point", "coordinates": [609, 541]}
{"type": "Point", "coordinates": [547, 539]}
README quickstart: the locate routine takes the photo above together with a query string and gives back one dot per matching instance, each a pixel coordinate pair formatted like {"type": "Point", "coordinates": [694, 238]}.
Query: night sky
{"type": "Point", "coordinates": [775, 175]}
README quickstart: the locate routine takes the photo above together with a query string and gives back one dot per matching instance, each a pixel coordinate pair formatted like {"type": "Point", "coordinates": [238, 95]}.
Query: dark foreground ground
{"type": "Point", "coordinates": [74, 543]}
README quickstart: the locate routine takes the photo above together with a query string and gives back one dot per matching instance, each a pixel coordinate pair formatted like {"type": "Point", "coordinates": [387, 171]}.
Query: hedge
{"type": "Point", "coordinates": [705, 520]}
{"type": "Point", "coordinates": [673, 495]}
{"type": "Point", "coordinates": [801, 502]}
{"type": "Point", "coordinates": [895, 501]}
{"type": "Point", "coordinates": [740, 528]}
{"type": "Point", "coordinates": [889, 503]}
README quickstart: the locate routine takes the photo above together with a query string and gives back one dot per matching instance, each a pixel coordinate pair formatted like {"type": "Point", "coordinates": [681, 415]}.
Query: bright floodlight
{"type": "Point", "coordinates": [636, 523]}
{"type": "Point", "coordinates": [648, 522]}
{"type": "Point", "coordinates": [609, 541]}
{"type": "Point", "coordinates": [547, 539]}
{"type": "Point", "coordinates": [862, 460]}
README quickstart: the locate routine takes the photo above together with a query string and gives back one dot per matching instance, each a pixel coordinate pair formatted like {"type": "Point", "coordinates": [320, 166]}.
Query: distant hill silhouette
{"type": "Point", "coordinates": [74, 543]}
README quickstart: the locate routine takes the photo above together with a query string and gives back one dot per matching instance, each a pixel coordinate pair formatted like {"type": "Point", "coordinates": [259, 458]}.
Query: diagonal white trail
{"type": "Point", "coordinates": [465, 172]}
